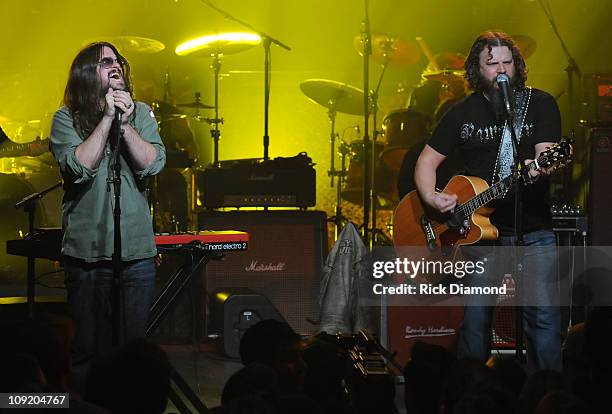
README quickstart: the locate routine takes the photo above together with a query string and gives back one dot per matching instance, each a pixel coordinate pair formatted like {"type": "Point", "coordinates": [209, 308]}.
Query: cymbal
{"type": "Point", "coordinates": [448, 67]}
{"type": "Point", "coordinates": [398, 52]}
{"type": "Point", "coordinates": [334, 95]}
{"type": "Point", "coordinates": [526, 44]}
{"type": "Point", "coordinates": [219, 44]}
{"type": "Point", "coordinates": [195, 104]}
{"type": "Point", "coordinates": [446, 75]}
{"type": "Point", "coordinates": [166, 112]}
{"type": "Point", "coordinates": [137, 44]}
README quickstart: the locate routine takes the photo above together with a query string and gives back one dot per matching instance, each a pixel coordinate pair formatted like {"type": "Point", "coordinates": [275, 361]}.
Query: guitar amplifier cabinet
{"type": "Point", "coordinates": [284, 262]}
{"type": "Point", "coordinates": [431, 324]}
{"type": "Point", "coordinates": [600, 196]}
{"type": "Point", "coordinates": [282, 182]}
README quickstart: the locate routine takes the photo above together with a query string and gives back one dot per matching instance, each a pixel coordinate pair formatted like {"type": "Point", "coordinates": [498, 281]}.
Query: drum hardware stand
{"type": "Point", "coordinates": [214, 133]}
{"type": "Point", "coordinates": [332, 138]}
{"type": "Point", "coordinates": [339, 219]}
{"type": "Point", "coordinates": [29, 206]}
{"type": "Point", "coordinates": [167, 92]}
{"type": "Point", "coordinates": [333, 173]}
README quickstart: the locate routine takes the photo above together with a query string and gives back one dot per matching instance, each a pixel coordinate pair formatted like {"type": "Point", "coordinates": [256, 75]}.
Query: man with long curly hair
{"type": "Point", "coordinates": [81, 141]}
{"type": "Point", "coordinates": [478, 128]}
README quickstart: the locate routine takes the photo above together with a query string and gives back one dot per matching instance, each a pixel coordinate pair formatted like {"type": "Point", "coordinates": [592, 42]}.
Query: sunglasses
{"type": "Point", "coordinates": [107, 62]}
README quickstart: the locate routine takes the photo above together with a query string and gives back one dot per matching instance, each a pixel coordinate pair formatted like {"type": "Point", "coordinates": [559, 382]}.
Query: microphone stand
{"type": "Point", "coordinates": [374, 156]}
{"type": "Point", "coordinates": [366, 38]}
{"type": "Point", "coordinates": [267, 41]}
{"type": "Point", "coordinates": [29, 206]}
{"type": "Point", "coordinates": [572, 67]}
{"type": "Point", "coordinates": [114, 178]}
{"type": "Point", "coordinates": [518, 232]}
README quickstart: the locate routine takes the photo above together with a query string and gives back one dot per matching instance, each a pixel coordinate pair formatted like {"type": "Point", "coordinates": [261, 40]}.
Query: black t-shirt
{"type": "Point", "coordinates": [471, 127]}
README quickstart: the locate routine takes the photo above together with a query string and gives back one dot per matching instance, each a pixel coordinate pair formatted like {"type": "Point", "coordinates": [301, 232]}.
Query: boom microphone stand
{"type": "Point", "coordinates": [366, 38]}
{"type": "Point", "coordinates": [374, 155]}
{"type": "Point", "coordinates": [572, 67]}
{"type": "Point", "coordinates": [29, 205]}
{"type": "Point", "coordinates": [267, 42]}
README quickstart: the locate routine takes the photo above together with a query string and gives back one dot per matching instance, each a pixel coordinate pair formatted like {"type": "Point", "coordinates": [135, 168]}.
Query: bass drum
{"type": "Point", "coordinates": [353, 188]}
{"type": "Point", "coordinates": [403, 129]}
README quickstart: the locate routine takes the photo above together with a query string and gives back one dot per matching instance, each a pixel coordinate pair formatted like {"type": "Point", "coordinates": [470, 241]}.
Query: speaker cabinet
{"type": "Point", "coordinates": [232, 312]}
{"type": "Point", "coordinates": [600, 196]}
{"type": "Point", "coordinates": [284, 261]}
{"type": "Point", "coordinates": [434, 324]}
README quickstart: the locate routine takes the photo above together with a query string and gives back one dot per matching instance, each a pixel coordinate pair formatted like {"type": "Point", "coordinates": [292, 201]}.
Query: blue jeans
{"type": "Point", "coordinates": [541, 313]}
{"type": "Point", "coordinates": [89, 300]}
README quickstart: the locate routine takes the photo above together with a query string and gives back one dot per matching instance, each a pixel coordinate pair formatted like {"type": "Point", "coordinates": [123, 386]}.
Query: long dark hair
{"type": "Point", "coordinates": [83, 90]}
{"type": "Point", "coordinates": [491, 39]}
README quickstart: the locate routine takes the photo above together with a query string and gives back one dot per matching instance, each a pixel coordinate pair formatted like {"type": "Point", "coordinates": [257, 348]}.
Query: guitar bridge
{"type": "Point", "coordinates": [430, 235]}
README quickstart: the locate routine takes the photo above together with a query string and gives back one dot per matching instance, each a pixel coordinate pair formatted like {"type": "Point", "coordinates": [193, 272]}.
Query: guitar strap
{"type": "Point", "coordinates": [505, 158]}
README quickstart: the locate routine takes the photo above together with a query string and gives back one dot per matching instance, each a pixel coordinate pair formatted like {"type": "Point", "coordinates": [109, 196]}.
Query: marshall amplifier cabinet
{"type": "Point", "coordinates": [281, 182]}
{"type": "Point", "coordinates": [284, 261]}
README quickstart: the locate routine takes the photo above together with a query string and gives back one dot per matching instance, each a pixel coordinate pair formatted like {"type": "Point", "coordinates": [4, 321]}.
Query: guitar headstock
{"type": "Point", "coordinates": [557, 156]}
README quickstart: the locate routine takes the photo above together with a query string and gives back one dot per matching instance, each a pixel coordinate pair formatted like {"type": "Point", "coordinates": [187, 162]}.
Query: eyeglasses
{"type": "Point", "coordinates": [107, 62]}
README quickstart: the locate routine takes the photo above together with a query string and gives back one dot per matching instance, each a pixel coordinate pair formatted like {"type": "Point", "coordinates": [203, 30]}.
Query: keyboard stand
{"type": "Point", "coordinates": [195, 257]}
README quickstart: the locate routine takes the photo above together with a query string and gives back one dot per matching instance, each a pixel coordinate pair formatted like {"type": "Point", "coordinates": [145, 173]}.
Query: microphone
{"type": "Point", "coordinates": [504, 86]}
{"type": "Point", "coordinates": [118, 115]}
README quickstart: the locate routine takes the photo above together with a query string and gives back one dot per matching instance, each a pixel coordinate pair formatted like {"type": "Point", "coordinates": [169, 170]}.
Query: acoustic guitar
{"type": "Point", "coordinates": [415, 225]}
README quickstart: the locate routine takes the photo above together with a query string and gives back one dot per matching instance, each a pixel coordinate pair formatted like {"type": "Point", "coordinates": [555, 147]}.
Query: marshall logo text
{"type": "Point", "coordinates": [255, 266]}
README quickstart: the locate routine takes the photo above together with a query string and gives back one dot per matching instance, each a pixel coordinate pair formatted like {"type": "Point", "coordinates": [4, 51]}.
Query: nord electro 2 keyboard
{"type": "Point", "coordinates": [212, 241]}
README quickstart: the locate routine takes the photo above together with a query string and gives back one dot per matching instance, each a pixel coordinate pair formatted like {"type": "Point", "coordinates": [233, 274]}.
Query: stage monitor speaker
{"type": "Point", "coordinates": [232, 312]}
{"type": "Point", "coordinates": [284, 261]}
{"type": "Point", "coordinates": [600, 196]}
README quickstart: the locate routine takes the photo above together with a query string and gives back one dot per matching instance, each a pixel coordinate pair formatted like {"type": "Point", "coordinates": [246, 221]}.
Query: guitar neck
{"type": "Point", "coordinates": [16, 150]}
{"type": "Point", "coordinates": [6, 150]}
{"type": "Point", "coordinates": [494, 192]}
{"type": "Point", "coordinates": [499, 189]}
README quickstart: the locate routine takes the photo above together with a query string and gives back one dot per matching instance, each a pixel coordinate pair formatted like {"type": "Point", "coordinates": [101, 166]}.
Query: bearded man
{"type": "Point", "coordinates": [478, 128]}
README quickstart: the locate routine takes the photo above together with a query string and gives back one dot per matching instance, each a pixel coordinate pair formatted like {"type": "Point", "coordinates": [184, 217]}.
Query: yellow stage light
{"type": "Point", "coordinates": [219, 44]}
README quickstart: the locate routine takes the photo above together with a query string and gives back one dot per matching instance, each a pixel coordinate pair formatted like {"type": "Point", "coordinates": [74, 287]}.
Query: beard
{"type": "Point", "coordinates": [494, 95]}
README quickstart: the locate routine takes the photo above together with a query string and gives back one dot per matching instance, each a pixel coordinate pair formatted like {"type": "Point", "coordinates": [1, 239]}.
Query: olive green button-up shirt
{"type": "Point", "coordinates": [87, 218]}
